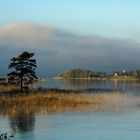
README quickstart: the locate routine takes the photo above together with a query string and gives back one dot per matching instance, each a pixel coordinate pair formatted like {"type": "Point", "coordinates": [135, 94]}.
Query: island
{"type": "Point", "coordinates": [82, 74]}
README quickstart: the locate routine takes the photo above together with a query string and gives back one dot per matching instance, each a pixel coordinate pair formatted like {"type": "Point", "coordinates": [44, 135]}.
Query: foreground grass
{"type": "Point", "coordinates": [46, 102]}
{"type": "Point", "coordinates": [55, 100]}
{"type": "Point", "coordinates": [37, 101]}
{"type": "Point", "coordinates": [6, 87]}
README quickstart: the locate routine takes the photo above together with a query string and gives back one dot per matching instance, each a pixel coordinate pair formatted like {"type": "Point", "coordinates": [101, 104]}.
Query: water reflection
{"type": "Point", "coordinates": [23, 122]}
{"type": "Point", "coordinates": [83, 125]}
{"type": "Point", "coordinates": [127, 86]}
{"type": "Point", "coordinates": [78, 84]}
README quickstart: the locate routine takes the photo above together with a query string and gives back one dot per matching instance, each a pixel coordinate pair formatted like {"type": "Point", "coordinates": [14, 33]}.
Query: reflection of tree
{"type": "Point", "coordinates": [76, 83]}
{"type": "Point", "coordinates": [23, 122]}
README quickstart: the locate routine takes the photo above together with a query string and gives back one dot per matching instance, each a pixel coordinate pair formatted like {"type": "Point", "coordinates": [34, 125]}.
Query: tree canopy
{"type": "Point", "coordinates": [24, 67]}
{"type": "Point", "coordinates": [80, 73]}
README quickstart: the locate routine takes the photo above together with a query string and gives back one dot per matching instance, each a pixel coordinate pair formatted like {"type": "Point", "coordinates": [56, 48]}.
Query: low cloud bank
{"type": "Point", "coordinates": [58, 50]}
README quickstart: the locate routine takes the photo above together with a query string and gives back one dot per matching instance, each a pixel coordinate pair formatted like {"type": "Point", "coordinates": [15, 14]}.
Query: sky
{"type": "Point", "coordinates": [117, 18]}
{"type": "Point", "coordinates": [91, 34]}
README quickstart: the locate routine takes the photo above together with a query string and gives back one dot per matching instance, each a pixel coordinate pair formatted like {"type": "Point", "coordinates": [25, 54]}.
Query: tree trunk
{"type": "Point", "coordinates": [21, 84]}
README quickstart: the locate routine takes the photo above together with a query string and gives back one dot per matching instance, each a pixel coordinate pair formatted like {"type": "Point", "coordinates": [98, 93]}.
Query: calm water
{"type": "Point", "coordinates": [83, 125]}
{"type": "Point", "coordinates": [129, 87]}
{"type": "Point", "coordinates": [80, 125]}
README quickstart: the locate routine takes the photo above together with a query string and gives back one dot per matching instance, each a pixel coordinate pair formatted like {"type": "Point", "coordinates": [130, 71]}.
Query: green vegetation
{"type": "Point", "coordinates": [79, 73]}
{"type": "Point", "coordinates": [135, 73]}
{"type": "Point", "coordinates": [99, 75]}
{"type": "Point", "coordinates": [24, 69]}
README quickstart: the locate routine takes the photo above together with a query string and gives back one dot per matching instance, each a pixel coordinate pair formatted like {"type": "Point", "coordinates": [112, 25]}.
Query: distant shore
{"type": "Point", "coordinates": [83, 74]}
{"type": "Point", "coordinates": [101, 78]}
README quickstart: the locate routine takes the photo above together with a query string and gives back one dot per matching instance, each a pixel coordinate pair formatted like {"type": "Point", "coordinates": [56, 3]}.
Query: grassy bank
{"type": "Point", "coordinates": [54, 100]}
{"type": "Point", "coordinates": [47, 102]}
{"type": "Point", "coordinates": [42, 101]}
{"type": "Point", "coordinates": [8, 87]}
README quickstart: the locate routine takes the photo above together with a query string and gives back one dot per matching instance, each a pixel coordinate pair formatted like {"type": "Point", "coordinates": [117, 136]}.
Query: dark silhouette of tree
{"type": "Point", "coordinates": [24, 69]}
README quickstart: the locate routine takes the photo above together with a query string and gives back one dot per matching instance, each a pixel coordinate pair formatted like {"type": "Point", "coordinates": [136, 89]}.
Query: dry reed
{"type": "Point", "coordinates": [6, 87]}
{"type": "Point", "coordinates": [54, 100]}
{"type": "Point", "coordinates": [51, 101]}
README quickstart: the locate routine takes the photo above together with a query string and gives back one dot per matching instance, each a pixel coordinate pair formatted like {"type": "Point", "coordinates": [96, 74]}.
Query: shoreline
{"type": "Point", "coordinates": [13, 89]}
{"type": "Point", "coordinates": [106, 78]}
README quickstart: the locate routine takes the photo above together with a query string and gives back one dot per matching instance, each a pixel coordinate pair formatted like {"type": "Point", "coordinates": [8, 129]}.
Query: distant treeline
{"type": "Point", "coordinates": [81, 73]}
{"type": "Point", "coordinates": [132, 73]}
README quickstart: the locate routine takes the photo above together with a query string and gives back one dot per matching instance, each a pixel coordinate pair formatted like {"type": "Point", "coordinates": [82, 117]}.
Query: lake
{"type": "Point", "coordinates": [129, 87]}
{"type": "Point", "coordinates": [80, 124]}
{"type": "Point", "coordinates": [84, 125]}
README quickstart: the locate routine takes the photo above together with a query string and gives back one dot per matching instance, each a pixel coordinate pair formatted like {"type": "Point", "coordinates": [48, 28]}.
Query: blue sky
{"type": "Point", "coordinates": [111, 18]}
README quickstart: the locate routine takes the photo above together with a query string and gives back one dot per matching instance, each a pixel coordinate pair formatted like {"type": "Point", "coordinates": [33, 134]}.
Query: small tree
{"type": "Point", "coordinates": [24, 69]}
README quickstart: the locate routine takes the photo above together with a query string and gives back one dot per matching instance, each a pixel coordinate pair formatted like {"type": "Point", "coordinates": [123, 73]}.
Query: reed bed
{"type": "Point", "coordinates": [43, 102]}
{"type": "Point", "coordinates": [51, 101]}
{"type": "Point", "coordinates": [8, 87]}
{"type": "Point", "coordinates": [38, 100]}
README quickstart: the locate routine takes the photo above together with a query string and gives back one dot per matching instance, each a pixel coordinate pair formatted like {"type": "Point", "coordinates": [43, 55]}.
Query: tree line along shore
{"type": "Point", "coordinates": [99, 75]}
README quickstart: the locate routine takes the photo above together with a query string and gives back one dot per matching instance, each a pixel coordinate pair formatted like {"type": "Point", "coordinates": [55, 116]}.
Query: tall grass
{"type": "Point", "coordinates": [50, 101]}
{"type": "Point", "coordinates": [54, 100]}
{"type": "Point", "coordinates": [8, 87]}
{"type": "Point", "coordinates": [42, 102]}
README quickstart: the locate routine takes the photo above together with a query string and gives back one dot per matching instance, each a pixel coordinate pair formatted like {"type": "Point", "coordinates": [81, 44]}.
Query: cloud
{"type": "Point", "coordinates": [57, 50]}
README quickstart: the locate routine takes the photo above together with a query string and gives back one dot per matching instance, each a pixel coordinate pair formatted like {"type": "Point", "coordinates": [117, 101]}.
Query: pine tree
{"type": "Point", "coordinates": [24, 67]}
